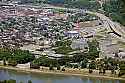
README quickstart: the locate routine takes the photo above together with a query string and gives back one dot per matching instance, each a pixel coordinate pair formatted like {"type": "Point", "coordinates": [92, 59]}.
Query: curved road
{"type": "Point", "coordinates": [109, 24]}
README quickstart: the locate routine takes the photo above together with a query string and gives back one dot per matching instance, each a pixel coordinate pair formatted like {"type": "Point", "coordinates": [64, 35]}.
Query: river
{"type": "Point", "coordinates": [48, 78]}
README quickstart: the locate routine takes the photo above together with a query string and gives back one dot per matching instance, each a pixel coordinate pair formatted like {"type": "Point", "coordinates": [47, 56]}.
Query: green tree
{"type": "Point", "coordinates": [20, 56]}
{"type": "Point", "coordinates": [58, 67]}
{"type": "Point", "coordinates": [122, 69]}
{"type": "Point", "coordinates": [92, 65]}
{"type": "Point", "coordinates": [29, 81]}
{"type": "Point", "coordinates": [21, 82]}
{"type": "Point", "coordinates": [84, 63]}
{"type": "Point", "coordinates": [4, 61]}
{"type": "Point", "coordinates": [93, 49]}
{"type": "Point", "coordinates": [51, 67]}
{"type": "Point", "coordinates": [63, 69]}
{"type": "Point", "coordinates": [116, 10]}
{"type": "Point", "coordinates": [12, 62]}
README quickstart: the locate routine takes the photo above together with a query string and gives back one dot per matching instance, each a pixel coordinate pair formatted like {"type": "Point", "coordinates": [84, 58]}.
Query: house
{"type": "Point", "coordinates": [72, 34]}
{"type": "Point", "coordinates": [79, 44]}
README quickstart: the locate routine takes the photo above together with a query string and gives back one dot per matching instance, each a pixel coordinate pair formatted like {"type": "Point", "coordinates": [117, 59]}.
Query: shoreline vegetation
{"type": "Point", "coordinates": [80, 73]}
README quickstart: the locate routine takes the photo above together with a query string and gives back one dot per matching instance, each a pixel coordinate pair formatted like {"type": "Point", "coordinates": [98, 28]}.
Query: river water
{"type": "Point", "coordinates": [49, 78]}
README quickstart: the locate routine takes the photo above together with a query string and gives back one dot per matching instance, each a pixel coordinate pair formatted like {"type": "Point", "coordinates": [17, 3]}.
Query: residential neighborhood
{"type": "Point", "coordinates": [58, 38]}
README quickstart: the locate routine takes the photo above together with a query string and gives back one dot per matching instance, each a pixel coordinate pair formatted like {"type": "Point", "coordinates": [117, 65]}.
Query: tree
{"type": "Point", "coordinates": [90, 70]}
{"type": "Point", "coordinates": [51, 67]}
{"type": "Point", "coordinates": [12, 62]}
{"type": "Point", "coordinates": [21, 82]}
{"type": "Point", "coordinates": [64, 60]}
{"type": "Point", "coordinates": [63, 47]}
{"type": "Point", "coordinates": [29, 81]}
{"type": "Point", "coordinates": [45, 61]}
{"type": "Point", "coordinates": [63, 69]}
{"type": "Point", "coordinates": [93, 49]}
{"type": "Point", "coordinates": [84, 63]}
{"type": "Point", "coordinates": [92, 65]}
{"type": "Point", "coordinates": [116, 10]}
{"type": "Point", "coordinates": [122, 69]}
{"type": "Point", "coordinates": [35, 65]}
{"type": "Point", "coordinates": [20, 56]}
{"type": "Point", "coordinates": [104, 70]}
{"type": "Point", "coordinates": [86, 4]}
{"type": "Point", "coordinates": [58, 67]}
{"type": "Point", "coordinates": [8, 81]}
{"type": "Point", "coordinates": [76, 66]}
{"type": "Point", "coordinates": [4, 61]}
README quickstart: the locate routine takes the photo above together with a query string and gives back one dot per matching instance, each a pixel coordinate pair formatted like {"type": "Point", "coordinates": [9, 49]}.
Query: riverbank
{"type": "Point", "coordinates": [82, 74]}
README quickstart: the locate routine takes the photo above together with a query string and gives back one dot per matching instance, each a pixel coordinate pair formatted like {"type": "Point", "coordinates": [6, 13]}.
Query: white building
{"type": "Point", "coordinates": [79, 44]}
{"type": "Point", "coordinates": [121, 55]}
{"type": "Point", "coordinates": [23, 66]}
{"type": "Point", "coordinates": [72, 34]}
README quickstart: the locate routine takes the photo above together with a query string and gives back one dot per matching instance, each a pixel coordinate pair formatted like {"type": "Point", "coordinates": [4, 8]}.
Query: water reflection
{"type": "Point", "coordinates": [49, 78]}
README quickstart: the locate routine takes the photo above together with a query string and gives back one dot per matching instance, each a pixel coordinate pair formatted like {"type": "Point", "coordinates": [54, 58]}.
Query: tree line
{"type": "Point", "coordinates": [116, 10]}
{"type": "Point", "coordinates": [13, 81]}
{"type": "Point", "coordinates": [15, 56]}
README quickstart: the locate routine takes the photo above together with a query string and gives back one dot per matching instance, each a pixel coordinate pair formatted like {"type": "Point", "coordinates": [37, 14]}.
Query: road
{"type": "Point", "coordinates": [109, 24]}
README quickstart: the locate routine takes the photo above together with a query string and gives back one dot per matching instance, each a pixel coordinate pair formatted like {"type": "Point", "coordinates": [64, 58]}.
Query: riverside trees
{"type": "Point", "coordinates": [13, 81]}
{"type": "Point", "coordinates": [8, 81]}
{"type": "Point", "coordinates": [15, 56]}
{"type": "Point", "coordinates": [122, 69]}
